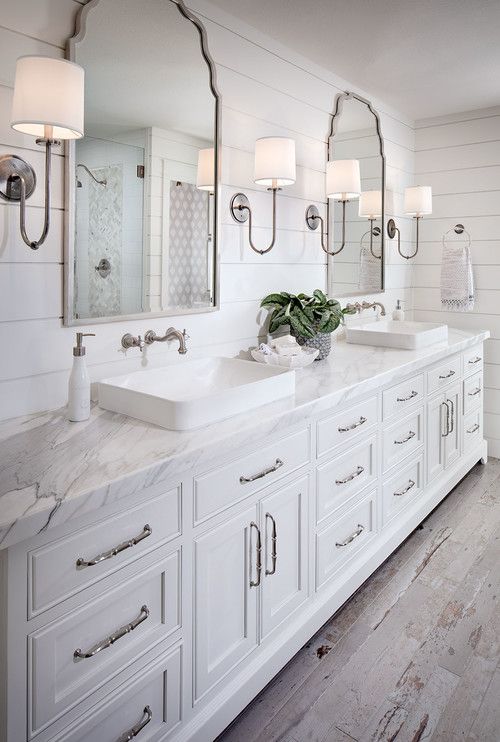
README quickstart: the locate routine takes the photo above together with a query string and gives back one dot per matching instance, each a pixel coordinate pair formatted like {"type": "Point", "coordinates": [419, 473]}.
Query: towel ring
{"type": "Point", "coordinates": [375, 232]}
{"type": "Point", "coordinates": [458, 229]}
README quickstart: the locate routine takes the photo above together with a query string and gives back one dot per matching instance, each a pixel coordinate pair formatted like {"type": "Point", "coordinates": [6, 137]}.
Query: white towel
{"type": "Point", "coordinates": [369, 270]}
{"type": "Point", "coordinates": [457, 280]}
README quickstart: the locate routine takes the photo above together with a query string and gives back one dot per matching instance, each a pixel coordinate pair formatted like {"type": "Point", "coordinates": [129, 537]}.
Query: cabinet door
{"type": "Point", "coordinates": [225, 604]}
{"type": "Point", "coordinates": [283, 516]}
{"type": "Point", "coordinates": [436, 431]}
{"type": "Point", "coordinates": [453, 399]}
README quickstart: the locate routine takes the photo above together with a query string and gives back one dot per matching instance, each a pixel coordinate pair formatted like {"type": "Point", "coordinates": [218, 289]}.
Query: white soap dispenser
{"type": "Point", "coordinates": [79, 382]}
{"type": "Point", "coordinates": [398, 313]}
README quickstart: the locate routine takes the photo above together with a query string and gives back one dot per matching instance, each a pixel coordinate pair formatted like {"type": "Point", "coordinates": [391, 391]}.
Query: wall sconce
{"type": "Point", "coordinates": [417, 203]}
{"type": "Point", "coordinates": [343, 183]}
{"type": "Point", "coordinates": [274, 167]}
{"type": "Point", "coordinates": [370, 206]}
{"type": "Point", "coordinates": [48, 104]}
{"type": "Point", "coordinates": [205, 174]}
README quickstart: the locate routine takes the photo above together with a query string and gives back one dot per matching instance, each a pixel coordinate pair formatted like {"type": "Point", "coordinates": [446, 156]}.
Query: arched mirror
{"type": "Point", "coordinates": [355, 184]}
{"type": "Point", "coordinates": [142, 185]}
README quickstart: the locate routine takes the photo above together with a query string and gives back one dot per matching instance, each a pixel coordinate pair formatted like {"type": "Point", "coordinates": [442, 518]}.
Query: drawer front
{"type": "Point", "coordinates": [347, 425]}
{"type": "Point", "coordinates": [227, 485]}
{"type": "Point", "coordinates": [60, 676]}
{"type": "Point", "coordinates": [446, 373]}
{"type": "Point", "coordinates": [473, 392]}
{"type": "Point", "coordinates": [345, 476]}
{"type": "Point", "coordinates": [404, 488]}
{"type": "Point", "coordinates": [149, 708]}
{"type": "Point", "coordinates": [473, 360]}
{"type": "Point", "coordinates": [346, 537]}
{"type": "Point", "coordinates": [402, 438]}
{"type": "Point", "coordinates": [66, 566]}
{"type": "Point", "coordinates": [397, 399]}
{"type": "Point", "coordinates": [473, 430]}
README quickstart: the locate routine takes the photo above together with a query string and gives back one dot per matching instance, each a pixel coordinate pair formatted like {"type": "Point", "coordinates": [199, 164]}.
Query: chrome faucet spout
{"type": "Point", "coordinates": [374, 304]}
{"type": "Point", "coordinates": [151, 337]}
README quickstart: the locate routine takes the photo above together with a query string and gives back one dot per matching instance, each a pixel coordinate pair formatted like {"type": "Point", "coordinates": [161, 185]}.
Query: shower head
{"type": "Point", "coordinates": [103, 182]}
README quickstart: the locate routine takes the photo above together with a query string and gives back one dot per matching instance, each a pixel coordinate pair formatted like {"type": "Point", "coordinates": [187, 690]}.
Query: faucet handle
{"type": "Point", "coordinates": [129, 341]}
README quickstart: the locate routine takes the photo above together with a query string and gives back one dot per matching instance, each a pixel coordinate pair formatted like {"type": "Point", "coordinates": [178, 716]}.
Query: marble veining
{"type": "Point", "coordinates": [52, 470]}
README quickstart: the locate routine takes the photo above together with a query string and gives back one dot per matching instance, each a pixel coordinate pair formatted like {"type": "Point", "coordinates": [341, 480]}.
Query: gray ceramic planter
{"type": "Point", "coordinates": [322, 341]}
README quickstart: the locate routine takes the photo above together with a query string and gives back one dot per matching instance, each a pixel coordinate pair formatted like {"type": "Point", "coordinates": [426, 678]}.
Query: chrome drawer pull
{"type": "Point", "coordinates": [274, 549]}
{"type": "Point", "coordinates": [476, 391]}
{"type": "Point", "coordinates": [447, 431]}
{"type": "Point", "coordinates": [411, 484]}
{"type": "Point", "coordinates": [359, 530]}
{"type": "Point", "coordinates": [448, 375]}
{"type": "Point", "coordinates": [147, 531]}
{"type": "Point", "coordinates": [277, 465]}
{"type": "Point", "coordinates": [359, 470]}
{"type": "Point", "coordinates": [452, 405]}
{"type": "Point", "coordinates": [474, 428]}
{"type": "Point", "coordinates": [112, 638]}
{"type": "Point", "coordinates": [410, 435]}
{"type": "Point", "coordinates": [406, 399]}
{"type": "Point", "coordinates": [126, 736]}
{"type": "Point", "coordinates": [347, 428]}
{"type": "Point", "coordinates": [475, 360]}
{"type": "Point", "coordinates": [258, 550]}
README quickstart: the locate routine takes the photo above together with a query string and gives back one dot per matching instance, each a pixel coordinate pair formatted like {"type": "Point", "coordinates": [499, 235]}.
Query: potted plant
{"type": "Point", "coordinates": [311, 319]}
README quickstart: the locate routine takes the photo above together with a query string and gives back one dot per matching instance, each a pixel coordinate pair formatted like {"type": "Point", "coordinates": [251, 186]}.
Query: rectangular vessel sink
{"type": "Point", "coordinates": [195, 393]}
{"type": "Point", "coordinates": [398, 334]}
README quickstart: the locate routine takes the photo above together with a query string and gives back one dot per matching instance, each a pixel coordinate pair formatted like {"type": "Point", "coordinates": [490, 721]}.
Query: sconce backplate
{"type": "Point", "coordinates": [11, 167]}
{"type": "Point", "coordinates": [240, 208]}
{"type": "Point", "coordinates": [312, 215]}
{"type": "Point", "coordinates": [391, 229]}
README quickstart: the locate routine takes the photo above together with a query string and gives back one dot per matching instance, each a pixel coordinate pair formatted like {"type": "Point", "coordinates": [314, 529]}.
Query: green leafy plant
{"type": "Point", "coordinates": [305, 315]}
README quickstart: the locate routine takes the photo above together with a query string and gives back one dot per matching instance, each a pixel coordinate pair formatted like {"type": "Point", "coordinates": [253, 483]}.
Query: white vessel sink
{"type": "Point", "coordinates": [398, 334]}
{"type": "Point", "coordinates": [195, 393]}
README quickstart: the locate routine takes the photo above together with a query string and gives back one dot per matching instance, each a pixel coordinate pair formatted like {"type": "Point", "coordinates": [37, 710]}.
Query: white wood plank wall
{"type": "Point", "coordinates": [459, 156]}
{"type": "Point", "coordinates": [266, 90]}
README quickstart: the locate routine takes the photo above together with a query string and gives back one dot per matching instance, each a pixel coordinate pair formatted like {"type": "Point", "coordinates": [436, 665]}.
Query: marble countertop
{"type": "Point", "coordinates": [52, 470]}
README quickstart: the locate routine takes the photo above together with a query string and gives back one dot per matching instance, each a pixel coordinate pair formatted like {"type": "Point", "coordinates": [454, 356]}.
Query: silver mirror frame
{"type": "Point", "coordinates": [339, 102]}
{"type": "Point", "coordinates": [69, 320]}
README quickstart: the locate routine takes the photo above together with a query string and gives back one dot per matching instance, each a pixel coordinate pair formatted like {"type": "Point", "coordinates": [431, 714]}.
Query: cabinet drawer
{"type": "Point", "coordinates": [403, 488]}
{"type": "Point", "coordinates": [222, 487]}
{"type": "Point", "coordinates": [58, 569]}
{"type": "Point", "coordinates": [473, 360]}
{"type": "Point", "coordinates": [342, 427]}
{"type": "Point", "coordinates": [473, 392]}
{"type": "Point", "coordinates": [340, 479]}
{"type": "Point", "coordinates": [402, 438]}
{"type": "Point", "coordinates": [60, 677]}
{"type": "Point", "coordinates": [400, 397]}
{"type": "Point", "coordinates": [473, 429]}
{"type": "Point", "coordinates": [150, 707]}
{"type": "Point", "coordinates": [446, 373]}
{"type": "Point", "coordinates": [342, 540]}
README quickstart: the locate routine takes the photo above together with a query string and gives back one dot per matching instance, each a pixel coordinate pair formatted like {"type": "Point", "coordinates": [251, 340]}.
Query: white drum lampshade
{"type": "Point", "coordinates": [205, 175]}
{"type": "Point", "coordinates": [418, 201]}
{"type": "Point", "coordinates": [48, 93]}
{"type": "Point", "coordinates": [343, 179]}
{"type": "Point", "coordinates": [274, 161]}
{"type": "Point", "coordinates": [370, 204]}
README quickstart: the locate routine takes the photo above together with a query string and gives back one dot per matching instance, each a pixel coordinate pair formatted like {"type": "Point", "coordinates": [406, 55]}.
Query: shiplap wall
{"type": "Point", "coordinates": [459, 156]}
{"type": "Point", "coordinates": [267, 90]}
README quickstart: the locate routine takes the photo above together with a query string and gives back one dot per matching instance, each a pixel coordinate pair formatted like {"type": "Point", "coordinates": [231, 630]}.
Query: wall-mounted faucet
{"type": "Point", "coordinates": [151, 337]}
{"type": "Point", "coordinates": [357, 307]}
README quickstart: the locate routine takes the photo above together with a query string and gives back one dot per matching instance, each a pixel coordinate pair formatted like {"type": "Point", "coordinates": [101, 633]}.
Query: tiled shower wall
{"type": "Point", "coordinates": [267, 90]}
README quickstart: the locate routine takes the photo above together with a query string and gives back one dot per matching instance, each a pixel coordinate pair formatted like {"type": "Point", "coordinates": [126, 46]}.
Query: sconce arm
{"type": "Point", "coordinates": [392, 230]}
{"type": "Point", "coordinates": [22, 210]}
{"type": "Point", "coordinates": [241, 212]}
{"type": "Point", "coordinates": [313, 218]}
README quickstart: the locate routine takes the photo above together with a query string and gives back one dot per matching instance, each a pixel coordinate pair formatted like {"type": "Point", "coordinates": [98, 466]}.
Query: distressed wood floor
{"type": "Point", "coordinates": [414, 655]}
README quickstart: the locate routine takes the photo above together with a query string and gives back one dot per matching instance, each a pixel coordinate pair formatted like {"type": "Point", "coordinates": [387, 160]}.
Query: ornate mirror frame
{"type": "Point", "coordinates": [69, 320]}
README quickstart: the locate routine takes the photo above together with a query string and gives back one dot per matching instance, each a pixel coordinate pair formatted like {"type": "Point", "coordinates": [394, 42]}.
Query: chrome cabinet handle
{"type": "Point", "coordinates": [258, 550]}
{"type": "Point", "coordinates": [147, 531]}
{"type": "Point", "coordinates": [447, 431]}
{"type": "Point", "coordinates": [448, 375]}
{"type": "Point", "coordinates": [347, 428]}
{"type": "Point", "coordinates": [474, 428]}
{"type": "Point", "coordinates": [134, 731]}
{"type": "Point", "coordinates": [112, 638]}
{"type": "Point", "coordinates": [406, 399]}
{"type": "Point", "coordinates": [277, 465]}
{"type": "Point", "coordinates": [359, 470]}
{"type": "Point", "coordinates": [452, 416]}
{"type": "Point", "coordinates": [359, 530]}
{"type": "Point", "coordinates": [410, 485]}
{"type": "Point", "coordinates": [410, 435]}
{"type": "Point", "coordinates": [474, 392]}
{"type": "Point", "coordinates": [475, 360]}
{"type": "Point", "coordinates": [274, 549]}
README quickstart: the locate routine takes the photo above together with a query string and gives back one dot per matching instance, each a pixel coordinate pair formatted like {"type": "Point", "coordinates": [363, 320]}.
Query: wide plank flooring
{"type": "Point", "coordinates": [414, 655]}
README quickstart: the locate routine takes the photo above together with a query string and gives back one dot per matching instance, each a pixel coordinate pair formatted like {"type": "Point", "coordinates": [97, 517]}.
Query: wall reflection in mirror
{"type": "Point", "coordinates": [144, 175]}
{"type": "Point", "coordinates": [355, 186]}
